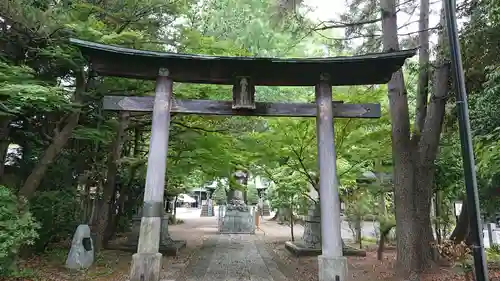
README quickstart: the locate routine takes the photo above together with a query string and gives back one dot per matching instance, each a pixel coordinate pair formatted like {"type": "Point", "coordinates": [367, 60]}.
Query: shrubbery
{"type": "Point", "coordinates": [18, 228]}
{"type": "Point", "coordinates": [57, 212]}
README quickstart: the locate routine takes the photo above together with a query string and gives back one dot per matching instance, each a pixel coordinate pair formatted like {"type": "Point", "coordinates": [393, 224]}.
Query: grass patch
{"type": "Point", "coordinates": [56, 255]}
{"type": "Point", "coordinates": [369, 240]}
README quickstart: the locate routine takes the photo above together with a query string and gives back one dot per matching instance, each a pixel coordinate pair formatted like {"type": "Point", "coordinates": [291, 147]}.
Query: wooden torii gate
{"type": "Point", "coordinates": [244, 73]}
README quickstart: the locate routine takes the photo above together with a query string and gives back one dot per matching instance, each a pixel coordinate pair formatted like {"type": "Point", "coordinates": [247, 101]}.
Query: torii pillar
{"type": "Point", "coordinates": [331, 264]}
{"type": "Point", "coordinates": [146, 263]}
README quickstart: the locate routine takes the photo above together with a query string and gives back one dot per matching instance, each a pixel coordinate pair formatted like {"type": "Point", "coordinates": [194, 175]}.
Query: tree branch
{"type": "Point", "coordinates": [197, 128]}
{"type": "Point", "coordinates": [352, 167]}
{"type": "Point", "coordinates": [423, 75]}
{"type": "Point", "coordinates": [343, 134]}
{"type": "Point", "coordinates": [346, 24]}
{"type": "Point", "coordinates": [310, 198]}
{"type": "Point", "coordinates": [306, 171]}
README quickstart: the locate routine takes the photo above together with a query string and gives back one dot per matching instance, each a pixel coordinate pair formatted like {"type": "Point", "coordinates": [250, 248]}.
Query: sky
{"type": "Point", "coordinates": [324, 10]}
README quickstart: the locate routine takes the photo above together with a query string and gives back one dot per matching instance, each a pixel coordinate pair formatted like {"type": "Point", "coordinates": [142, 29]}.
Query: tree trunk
{"type": "Point", "coordinates": [95, 204]}
{"type": "Point", "coordinates": [291, 225]}
{"type": "Point", "coordinates": [437, 212]}
{"type": "Point", "coordinates": [413, 156]}
{"type": "Point", "coordinates": [112, 213]}
{"type": "Point", "coordinates": [85, 197]}
{"type": "Point", "coordinates": [88, 204]}
{"type": "Point", "coordinates": [4, 144]}
{"type": "Point", "coordinates": [424, 171]}
{"type": "Point", "coordinates": [109, 188]}
{"type": "Point", "coordinates": [423, 62]}
{"type": "Point", "coordinates": [276, 215]}
{"type": "Point", "coordinates": [402, 152]}
{"type": "Point", "coordinates": [174, 211]}
{"type": "Point", "coordinates": [115, 217]}
{"type": "Point", "coordinates": [381, 243]}
{"type": "Point", "coordinates": [462, 229]}
{"type": "Point", "coordinates": [58, 142]}
{"type": "Point", "coordinates": [429, 143]}
{"type": "Point", "coordinates": [358, 227]}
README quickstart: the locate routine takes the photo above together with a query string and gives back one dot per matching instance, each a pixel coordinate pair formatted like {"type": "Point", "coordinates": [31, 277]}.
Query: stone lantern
{"type": "Point", "coordinates": [207, 210]}
{"type": "Point", "coordinates": [263, 204]}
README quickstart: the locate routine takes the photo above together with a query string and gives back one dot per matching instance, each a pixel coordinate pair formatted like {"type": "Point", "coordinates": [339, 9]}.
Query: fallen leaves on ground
{"type": "Point", "coordinates": [109, 265]}
{"type": "Point", "coordinates": [360, 268]}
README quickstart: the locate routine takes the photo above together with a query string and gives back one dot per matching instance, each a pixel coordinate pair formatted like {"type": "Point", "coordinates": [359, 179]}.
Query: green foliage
{"type": "Point", "coordinates": [38, 67]}
{"type": "Point", "coordinates": [219, 195]}
{"type": "Point", "coordinates": [358, 207]}
{"type": "Point", "coordinates": [23, 92]}
{"type": "Point", "coordinates": [386, 222]}
{"type": "Point", "coordinates": [252, 194]}
{"type": "Point", "coordinates": [250, 25]}
{"type": "Point", "coordinates": [57, 212]}
{"type": "Point", "coordinates": [289, 190]}
{"type": "Point", "coordinates": [484, 115]}
{"type": "Point", "coordinates": [291, 142]}
{"type": "Point", "coordinates": [17, 229]}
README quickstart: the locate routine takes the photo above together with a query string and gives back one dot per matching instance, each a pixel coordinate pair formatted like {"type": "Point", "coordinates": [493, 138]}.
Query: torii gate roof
{"type": "Point", "coordinates": [108, 60]}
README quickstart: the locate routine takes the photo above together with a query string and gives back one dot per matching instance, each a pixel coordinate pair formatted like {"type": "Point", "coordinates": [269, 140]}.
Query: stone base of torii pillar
{"type": "Point", "coordinates": [168, 246]}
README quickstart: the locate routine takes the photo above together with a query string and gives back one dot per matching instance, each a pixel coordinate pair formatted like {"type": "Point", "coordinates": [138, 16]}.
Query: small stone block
{"type": "Point", "coordinates": [170, 250]}
{"type": "Point", "coordinates": [145, 267]}
{"type": "Point", "coordinates": [173, 248]}
{"type": "Point", "coordinates": [332, 268]}
{"type": "Point", "coordinates": [299, 249]}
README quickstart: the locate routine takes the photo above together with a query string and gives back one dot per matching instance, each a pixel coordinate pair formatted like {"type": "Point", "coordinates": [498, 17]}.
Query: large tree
{"type": "Point", "coordinates": [414, 148]}
{"type": "Point", "coordinates": [414, 151]}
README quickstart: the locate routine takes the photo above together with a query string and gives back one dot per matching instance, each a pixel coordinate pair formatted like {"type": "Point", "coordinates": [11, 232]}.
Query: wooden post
{"type": "Point", "coordinates": [146, 263]}
{"type": "Point", "coordinates": [331, 263]}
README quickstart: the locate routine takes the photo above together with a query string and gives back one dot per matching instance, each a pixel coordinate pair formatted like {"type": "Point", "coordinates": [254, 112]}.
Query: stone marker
{"type": "Point", "coordinates": [81, 254]}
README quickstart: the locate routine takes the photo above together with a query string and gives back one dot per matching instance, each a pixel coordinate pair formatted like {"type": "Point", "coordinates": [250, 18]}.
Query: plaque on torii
{"type": "Point", "coordinates": [243, 73]}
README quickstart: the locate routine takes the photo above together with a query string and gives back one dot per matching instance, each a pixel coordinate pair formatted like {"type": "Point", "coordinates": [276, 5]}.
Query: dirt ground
{"type": "Point", "coordinates": [360, 268]}
{"type": "Point", "coordinates": [114, 265]}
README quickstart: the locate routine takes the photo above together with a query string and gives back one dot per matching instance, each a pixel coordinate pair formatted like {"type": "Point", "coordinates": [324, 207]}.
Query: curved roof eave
{"type": "Point", "coordinates": [108, 60]}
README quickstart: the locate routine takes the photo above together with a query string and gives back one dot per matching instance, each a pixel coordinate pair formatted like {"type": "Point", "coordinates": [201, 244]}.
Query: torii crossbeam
{"type": "Point", "coordinates": [244, 73]}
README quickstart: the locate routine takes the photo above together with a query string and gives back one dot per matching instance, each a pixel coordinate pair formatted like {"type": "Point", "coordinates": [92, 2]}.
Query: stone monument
{"type": "Point", "coordinates": [81, 254]}
{"type": "Point", "coordinates": [238, 218]}
{"type": "Point", "coordinates": [310, 244]}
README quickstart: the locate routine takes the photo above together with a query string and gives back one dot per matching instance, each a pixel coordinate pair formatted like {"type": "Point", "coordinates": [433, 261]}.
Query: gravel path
{"type": "Point", "coordinates": [259, 257]}
{"type": "Point", "coordinates": [233, 257]}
